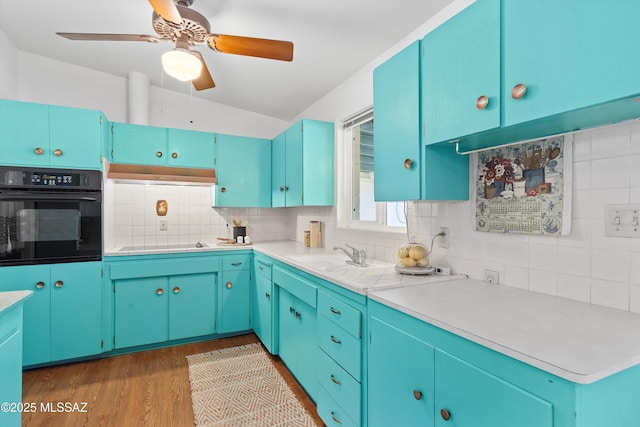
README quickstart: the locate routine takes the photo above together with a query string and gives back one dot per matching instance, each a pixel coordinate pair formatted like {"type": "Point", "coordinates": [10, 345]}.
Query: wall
{"type": "Point", "coordinates": [8, 68]}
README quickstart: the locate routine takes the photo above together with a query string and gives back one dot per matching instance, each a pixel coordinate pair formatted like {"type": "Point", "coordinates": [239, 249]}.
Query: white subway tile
{"type": "Point", "coordinates": [581, 146]}
{"type": "Point", "coordinates": [543, 281]}
{"type": "Point", "coordinates": [581, 175]}
{"type": "Point", "coordinates": [610, 173]}
{"type": "Point", "coordinates": [516, 277]}
{"type": "Point", "coordinates": [574, 287]}
{"type": "Point", "coordinates": [610, 294]}
{"type": "Point", "coordinates": [610, 265]}
{"type": "Point", "coordinates": [611, 141]}
{"type": "Point", "coordinates": [574, 261]}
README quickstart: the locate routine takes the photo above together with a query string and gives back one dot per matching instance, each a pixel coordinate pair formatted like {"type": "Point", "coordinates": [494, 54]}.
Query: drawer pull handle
{"type": "Point", "coordinates": [267, 296]}
{"type": "Point", "coordinates": [298, 315]}
{"type": "Point", "coordinates": [229, 285]}
{"type": "Point", "coordinates": [335, 380]}
{"type": "Point", "coordinates": [57, 152]}
{"type": "Point", "coordinates": [335, 340]}
{"type": "Point", "coordinates": [38, 151]}
{"type": "Point", "coordinates": [482, 102]}
{"type": "Point", "coordinates": [339, 421]}
{"type": "Point", "coordinates": [445, 414]}
{"type": "Point", "coordinates": [59, 283]}
{"type": "Point", "coordinates": [235, 264]}
{"type": "Point", "coordinates": [518, 91]}
{"type": "Point", "coordinates": [159, 291]}
{"type": "Point", "coordinates": [417, 394]}
{"type": "Point", "coordinates": [334, 311]}
{"type": "Point", "coordinates": [40, 285]}
{"type": "Point", "coordinates": [260, 267]}
{"type": "Point", "coordinates": [176, 290]}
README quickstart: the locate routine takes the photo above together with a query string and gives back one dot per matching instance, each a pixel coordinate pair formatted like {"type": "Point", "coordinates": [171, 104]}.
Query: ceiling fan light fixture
{"type": "Point", "coordinates": [181, 64]}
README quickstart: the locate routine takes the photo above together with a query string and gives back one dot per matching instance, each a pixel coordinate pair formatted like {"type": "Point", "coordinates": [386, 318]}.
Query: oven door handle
{"type": "Point", "coordinates": [26, 196]}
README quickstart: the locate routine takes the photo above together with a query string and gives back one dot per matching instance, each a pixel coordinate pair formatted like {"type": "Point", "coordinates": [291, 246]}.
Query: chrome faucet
{"type": "Point", "coordinates": [358, 256]}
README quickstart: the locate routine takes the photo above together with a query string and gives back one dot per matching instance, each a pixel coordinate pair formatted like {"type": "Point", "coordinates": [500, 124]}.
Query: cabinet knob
{"type": "Point", "coordinates": [335, 340]}
{"type": "Point", "coordinates": [176, 290]}
{"type": "Point", "coordinates": [159, 291]}
{"type": "Point", "coordinates": [291, 309]}
{"type": "Point", "coordinates": [445, 414]}
{"type": "Point", "coordinates": [482, 102]}
{"type": "Point", "coordinates": [229, 285]}
{"type": "Point", "coordinates": [334, 311]}
{"type": "Point", "coordinates": [281, 188]}
{"type": "Point", "coordinates": [57, 152]}
{"type": "Point", "coordinates": [40, 285]}
{"type": "Point", "coordinates": [267, 296]}
{"type": "Point", "coordinates": [518, 91]}
{"type": "Point", "coordinates": [159, 154]}
{"type": "Point", "coordinates": [417, 394]}
{"type": "Point", "coordinates": [286, 188]}
{"type": "Point", "coordinates": [59, 283]}
{"type": "Point", "coordinates": [335, 380]}
{"type": "Point", "coordinates": [408, 163]}
{"type": "Point", "coordinates": [338, 420]}
{"type": "Point", "coordinates": [223, 189]}
{"type": "Point", "coordinates": [174, 155]}
{"type": "Point", "coordinates": [298, 314]}
{"type": "Point", "coordinates": [38, 151]}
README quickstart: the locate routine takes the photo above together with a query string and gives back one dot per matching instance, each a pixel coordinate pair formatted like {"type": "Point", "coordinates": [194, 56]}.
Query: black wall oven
{"type": "Point", "coordinates": [49, 215]}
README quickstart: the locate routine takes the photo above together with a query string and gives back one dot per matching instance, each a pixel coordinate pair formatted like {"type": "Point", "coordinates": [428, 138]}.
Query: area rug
{"type": "Point", "coordinates": [239, 386]}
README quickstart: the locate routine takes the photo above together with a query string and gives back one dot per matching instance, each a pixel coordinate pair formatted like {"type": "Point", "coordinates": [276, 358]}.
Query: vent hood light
{"type": "Point", "coordinates": [161, 175]}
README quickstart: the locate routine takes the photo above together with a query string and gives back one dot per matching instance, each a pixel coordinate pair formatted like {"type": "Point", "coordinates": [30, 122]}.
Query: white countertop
{"type": "Point", "coordinates": [577, 341]}
{"type": "Point", "coordinates": [331, 265]}
{"type": "Point", "coordinates": [173, 248]}
{"type": "Point", "coordinates": [11, 298]}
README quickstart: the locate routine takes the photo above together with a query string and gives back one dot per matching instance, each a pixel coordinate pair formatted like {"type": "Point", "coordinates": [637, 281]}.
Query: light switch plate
{"type": "Point", "coordinates": [622, 220]}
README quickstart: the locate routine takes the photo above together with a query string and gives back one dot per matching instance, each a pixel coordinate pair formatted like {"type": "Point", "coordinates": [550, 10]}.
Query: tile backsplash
{"type": "Point", "coordinates": [131, 219]}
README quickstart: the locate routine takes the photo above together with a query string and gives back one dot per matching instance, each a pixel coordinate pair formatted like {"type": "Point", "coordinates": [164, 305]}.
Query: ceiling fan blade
{"type": "Point", "coordinates": [249, 46]}
{"type": "Point", "coordinates": [168, 11]}
{"type": "Point", "coordinates": [110, 37]}
{"type": "Point", "coordinates": [205, 81]}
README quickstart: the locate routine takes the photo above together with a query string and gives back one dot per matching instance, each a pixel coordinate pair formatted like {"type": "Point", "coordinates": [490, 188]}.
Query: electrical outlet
{"type": "Point", "coordinates": [492, 276]}
{"type": "Point", "coordinates": [164, 225]}
{"type": "Point", "coordinates": [444, 240]}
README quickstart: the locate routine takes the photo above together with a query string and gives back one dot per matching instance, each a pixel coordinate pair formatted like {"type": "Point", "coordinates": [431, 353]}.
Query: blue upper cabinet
{"type": "Point", "coordinates": [52, 136]}
{"type": "Point", "coordinates": [155, 146]}
{"type": "Point", "coordinates": [461, 74]}
{"type": "Point", "coordinates": [569, 54]}
{"type": "Point", "coordinates": [404, 167]}
{"type": "Point", "coordinates": [303, 165]}
{"type": "Point", "coordinates": [396, 126]}
{"type": "Point", "coordinates": [243, 171]}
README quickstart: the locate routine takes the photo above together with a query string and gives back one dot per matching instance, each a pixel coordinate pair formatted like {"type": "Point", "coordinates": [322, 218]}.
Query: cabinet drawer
{"type": "Point", "coordinates": [296, 285]}
{"type": "Point", "coordinates": [340, 385]}
{"type": "Point", "coordinates": [263, 268]}
{"type": "Point", "coordinates": [331, 413]}
{"type": "Point", "coordinates": [340, 313]}
{"type": "Point", "coordinates": [341, 346]}
{"type": "Point", "coordinates": [240, 262]}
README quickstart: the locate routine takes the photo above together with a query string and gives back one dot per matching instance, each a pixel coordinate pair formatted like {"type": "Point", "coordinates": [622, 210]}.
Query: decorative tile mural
{"type": "Point", "coordinates": [523, 188]}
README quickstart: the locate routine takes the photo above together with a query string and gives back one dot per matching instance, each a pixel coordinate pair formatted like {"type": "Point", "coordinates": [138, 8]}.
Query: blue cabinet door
{"type": "Point", "coordinates": [24, 133]}
{"type": "Point", "coordinates": [569, 54]}
{"type": "Point", "coordinates": [317, 163]}
{"type": "Point", "coordinates": [141, 311]}
{"type": "Point", "coordinates": [76, 310]}
{"type": "Point", "coordinates": [287, 331]}
{"type": "Point", "coordinates": [187, 148]}
{"type": "Point", "coordinates": [37, 309]}
{"type": "Point", "coordinates": [191, 305]}
{"type": "Point", "coordinates": [401, 377]}
{"type": "Point", "coordinates": [396, 128]}
{"type": "Point", "coordinates": [307, 342]}
{"type": "Point", "coordinates": [244, 172]}
{"type": "Point", "coordinates": [235, 300]}
{"type": "Point", "coordinates": [11, 365]}
{"type": "Point", "coordinates": [278, 171]}
{"type": "Point", "coordinates": [136, 144]}
{"type": "Point", "coordinates": [461, 64]}
{"type": "Point", "coordinates": [262, 304]}
{"type": "Point", "coordinates": [75, 137]}
{"type": "Point", "coordinates": [474, 397]}
{"type": "Point", "coordinates": [294, 162]}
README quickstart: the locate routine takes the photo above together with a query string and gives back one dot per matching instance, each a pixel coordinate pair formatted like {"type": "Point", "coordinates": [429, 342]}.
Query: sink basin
{"type": "Point", "coordinates": [331, 262]}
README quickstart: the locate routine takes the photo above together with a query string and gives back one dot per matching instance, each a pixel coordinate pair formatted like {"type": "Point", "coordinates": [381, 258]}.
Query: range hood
{"type": "Point", "coordinates": [161, 174]}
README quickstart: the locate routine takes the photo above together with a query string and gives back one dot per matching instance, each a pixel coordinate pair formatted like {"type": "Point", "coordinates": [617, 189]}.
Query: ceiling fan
{"type": "Point", "coordinates": [175, 22]}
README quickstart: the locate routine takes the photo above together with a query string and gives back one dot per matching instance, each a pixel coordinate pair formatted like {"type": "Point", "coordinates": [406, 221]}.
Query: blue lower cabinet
{"type": "Point", "coordinates": [234, 301]}
{"type": "Point", "coordinates": [192, 297]}
{"type": "Point", "coordinates": [340, 388]}
{"type": "Point", "coordinates": [11, 365]}
{"type": "Point", "coordinates": [263, 304]}
{"type": "Point", "coordinates": [63, 318]}
{"type": "Point", "coordinates": [332, 413]}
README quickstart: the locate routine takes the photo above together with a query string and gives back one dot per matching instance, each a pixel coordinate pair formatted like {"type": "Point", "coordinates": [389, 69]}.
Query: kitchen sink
{"type": "Point", "coordinates": [332, 262]}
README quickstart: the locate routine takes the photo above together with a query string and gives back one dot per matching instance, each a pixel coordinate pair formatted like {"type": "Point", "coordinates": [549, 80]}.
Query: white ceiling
{"type": "Point", "coordinates": [333, 39]}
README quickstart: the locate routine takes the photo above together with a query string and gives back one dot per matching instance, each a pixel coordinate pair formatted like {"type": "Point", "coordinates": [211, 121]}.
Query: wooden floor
{"type": "Point", "coordinates": [149, 388]}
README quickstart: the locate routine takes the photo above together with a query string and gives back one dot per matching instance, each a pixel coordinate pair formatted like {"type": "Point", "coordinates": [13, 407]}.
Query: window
{"type": "Point", "coordinates": [356, 204]}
